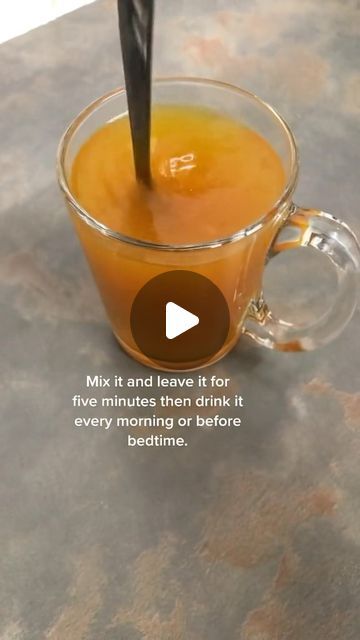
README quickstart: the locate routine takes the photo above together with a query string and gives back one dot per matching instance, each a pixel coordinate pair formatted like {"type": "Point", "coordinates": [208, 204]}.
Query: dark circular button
{"type": "Point", "coordinates": [180, 318]}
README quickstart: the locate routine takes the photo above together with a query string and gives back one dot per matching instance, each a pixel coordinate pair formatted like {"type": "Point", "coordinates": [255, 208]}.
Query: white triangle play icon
{"type": "Point", "coordinates": [178, 320]}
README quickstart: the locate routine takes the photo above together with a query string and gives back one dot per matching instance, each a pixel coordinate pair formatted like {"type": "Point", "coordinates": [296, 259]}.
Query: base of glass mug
{"type": "Point", "coordinates": [152, 364]}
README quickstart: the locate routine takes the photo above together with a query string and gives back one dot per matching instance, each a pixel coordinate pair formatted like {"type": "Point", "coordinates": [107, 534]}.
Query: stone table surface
{"type": "Point", "coordinates": [249, 535]}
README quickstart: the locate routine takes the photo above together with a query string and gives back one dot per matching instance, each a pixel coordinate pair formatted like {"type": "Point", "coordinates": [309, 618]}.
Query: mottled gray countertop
{"type": "Point", "coordinates": [252, 535]}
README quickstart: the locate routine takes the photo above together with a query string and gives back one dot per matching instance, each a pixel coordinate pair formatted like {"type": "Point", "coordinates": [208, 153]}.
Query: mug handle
{"type": "Point", "coordinates": [325, 233]}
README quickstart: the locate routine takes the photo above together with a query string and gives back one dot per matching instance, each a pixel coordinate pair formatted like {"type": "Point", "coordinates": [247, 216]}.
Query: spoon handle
{"type": "Point", "coordinates": [136, 26]}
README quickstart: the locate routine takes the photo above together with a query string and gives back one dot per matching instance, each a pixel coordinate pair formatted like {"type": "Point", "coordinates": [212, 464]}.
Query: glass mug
{"type": "Point", "coordinates": [122, 265]}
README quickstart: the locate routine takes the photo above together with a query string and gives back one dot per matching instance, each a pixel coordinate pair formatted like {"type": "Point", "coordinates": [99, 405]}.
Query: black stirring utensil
{"type": "Point", "coordinates": [136, 19]}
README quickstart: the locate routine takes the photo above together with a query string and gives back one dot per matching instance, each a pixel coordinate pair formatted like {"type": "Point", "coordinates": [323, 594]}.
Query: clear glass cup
{"type": "Point", "coordinates": [122, 265]}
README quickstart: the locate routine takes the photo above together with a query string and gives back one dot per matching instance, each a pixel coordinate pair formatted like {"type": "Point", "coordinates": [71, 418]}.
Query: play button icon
{"type": "Point", "coordinates": [180, 319]}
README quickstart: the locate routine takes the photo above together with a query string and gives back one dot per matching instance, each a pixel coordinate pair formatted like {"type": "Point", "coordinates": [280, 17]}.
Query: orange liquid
{"type": "Point", "coordinates": [212, 176]}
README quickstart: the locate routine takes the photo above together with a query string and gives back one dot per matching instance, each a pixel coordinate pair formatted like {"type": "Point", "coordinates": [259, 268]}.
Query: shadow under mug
{"type": "Point", "coordinates": [122, 265]}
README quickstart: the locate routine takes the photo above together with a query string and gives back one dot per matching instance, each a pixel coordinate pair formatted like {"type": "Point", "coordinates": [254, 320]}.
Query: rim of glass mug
{"type": "Point", "coordinates": [241, 233]}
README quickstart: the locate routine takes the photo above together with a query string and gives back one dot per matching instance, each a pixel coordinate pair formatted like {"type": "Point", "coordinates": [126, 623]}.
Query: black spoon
{"type": "Point", "coordinates": [136, 19]}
